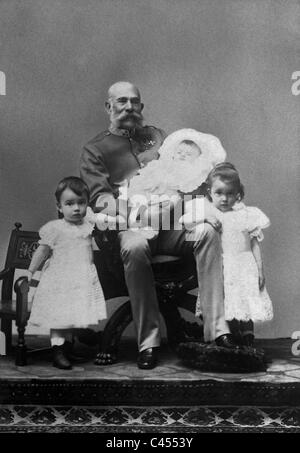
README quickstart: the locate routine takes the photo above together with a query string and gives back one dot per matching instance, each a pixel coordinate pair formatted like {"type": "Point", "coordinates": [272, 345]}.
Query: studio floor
{"type": "Point", "coordinates": [170, 398]}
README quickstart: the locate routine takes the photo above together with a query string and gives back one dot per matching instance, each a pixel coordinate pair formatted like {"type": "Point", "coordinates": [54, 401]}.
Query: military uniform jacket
{"type": "Point", "coordinates": [111, 157]}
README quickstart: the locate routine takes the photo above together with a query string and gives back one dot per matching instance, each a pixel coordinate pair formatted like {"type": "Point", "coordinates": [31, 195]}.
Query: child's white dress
{"type": "Point", "coordinates": [243, 299]}
{"type": "Point", "coordinates": [69, 294]}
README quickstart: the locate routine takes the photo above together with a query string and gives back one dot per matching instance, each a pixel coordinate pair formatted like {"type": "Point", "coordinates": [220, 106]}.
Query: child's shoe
{"type": "Point", "coordinates": [59, 358]}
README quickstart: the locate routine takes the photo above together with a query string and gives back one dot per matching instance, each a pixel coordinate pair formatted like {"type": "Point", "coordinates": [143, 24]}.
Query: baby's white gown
{"type": "Point", "coordinates": [69, 294]}
{"type": "Point", "coordinates": [243, 299]}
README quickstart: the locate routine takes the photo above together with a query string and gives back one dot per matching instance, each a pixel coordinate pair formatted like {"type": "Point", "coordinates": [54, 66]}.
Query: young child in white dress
{"type": "Point", "coordinates": [69, 294]}
{"type": "Point", "coordinates": [245, 296]}
{"type": "Point", "coordinates": [186, 158]}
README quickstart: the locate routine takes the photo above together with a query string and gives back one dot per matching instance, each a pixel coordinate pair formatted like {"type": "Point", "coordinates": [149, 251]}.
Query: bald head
{"type": "Point", "coordinates": [124, 106]}
{"type": "Point", "coordinates": [119, 87]}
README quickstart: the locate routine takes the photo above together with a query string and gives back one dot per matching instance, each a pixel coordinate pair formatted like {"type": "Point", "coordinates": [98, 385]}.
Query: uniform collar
{"type": "Point", "coordinates": [121, 132]}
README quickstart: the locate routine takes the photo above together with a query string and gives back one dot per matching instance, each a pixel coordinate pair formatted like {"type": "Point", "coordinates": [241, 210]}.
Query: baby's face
{"type": "Point", "coordinates": [188, 153]}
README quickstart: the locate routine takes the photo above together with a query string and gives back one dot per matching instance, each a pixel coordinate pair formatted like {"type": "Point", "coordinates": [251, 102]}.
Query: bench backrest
{"type": "Point", "coordinates": [21, 246]}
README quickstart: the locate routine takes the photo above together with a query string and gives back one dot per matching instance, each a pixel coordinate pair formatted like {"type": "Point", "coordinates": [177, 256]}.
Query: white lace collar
{"type": "Point", "coordinates": [83, 229]}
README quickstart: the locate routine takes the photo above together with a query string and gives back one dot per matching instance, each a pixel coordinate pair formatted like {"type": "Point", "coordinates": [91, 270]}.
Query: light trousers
{"type": "Point", "coordinates": [203, 244]}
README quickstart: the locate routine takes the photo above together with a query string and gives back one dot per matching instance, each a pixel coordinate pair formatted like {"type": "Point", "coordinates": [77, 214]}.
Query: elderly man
{"type": "Point", "coordinates": [108, 159]}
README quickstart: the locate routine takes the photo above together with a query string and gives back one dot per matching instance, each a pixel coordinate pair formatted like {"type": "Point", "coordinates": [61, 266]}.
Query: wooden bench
{"type": "Point", "coordinates": [21, 246]}
{"type": "Point", "coordinates": [174, 278]}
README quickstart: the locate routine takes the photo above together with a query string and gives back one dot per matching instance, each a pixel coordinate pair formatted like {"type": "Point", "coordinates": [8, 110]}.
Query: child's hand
{"type": "Point", "coordinates": [214, 222]}
{"type": "Point", "coordinates": [121, 222]}
{"type": "Point", "coordinates": [29, 275]}
{"type": "Point", "coordinates": [261, 280]}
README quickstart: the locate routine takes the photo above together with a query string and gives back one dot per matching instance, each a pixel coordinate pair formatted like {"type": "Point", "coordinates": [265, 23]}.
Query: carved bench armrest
{"type": "Point", "coordinates": [4, 273]}
{"type": "Point", "coordinates": [21, 285]}
{"type": "Point", "coordinates": [21, 288]}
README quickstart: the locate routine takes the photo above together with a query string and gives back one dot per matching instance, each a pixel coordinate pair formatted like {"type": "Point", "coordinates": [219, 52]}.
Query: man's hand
{"type": "Point", "coordinates": [105, 221]}
{"type": "Point", "coordinates": [214, 222]}
{"type": "Point", "coordinates": [157, 214]}
{"type": "Point", "coordinates": [116, 223]}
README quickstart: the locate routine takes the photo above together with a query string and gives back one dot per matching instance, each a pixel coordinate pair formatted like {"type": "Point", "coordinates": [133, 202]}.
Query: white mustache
{"type": "Point", "coordinates": [137, 115]}
{"type": "Point", "coordinates": [126, 115]}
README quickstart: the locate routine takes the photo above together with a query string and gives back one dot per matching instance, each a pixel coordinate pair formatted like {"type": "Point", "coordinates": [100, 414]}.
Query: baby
{"type": "Point", "coordinates": [186, 158]}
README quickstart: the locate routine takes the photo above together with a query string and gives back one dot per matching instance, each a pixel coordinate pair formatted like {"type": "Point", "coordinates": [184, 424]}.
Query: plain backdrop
{"type": "Point", "coordinates": [219, 66]}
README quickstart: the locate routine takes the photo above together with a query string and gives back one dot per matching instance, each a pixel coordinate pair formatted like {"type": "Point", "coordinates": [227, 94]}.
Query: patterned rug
{"type": "Point", "coordinates": [91, 419]}
{"type": "Point", "coordinates": [172, 398]}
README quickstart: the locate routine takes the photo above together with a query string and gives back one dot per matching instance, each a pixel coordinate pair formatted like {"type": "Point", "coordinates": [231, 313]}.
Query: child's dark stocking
{"type": "Point", "coordinates": [234, 326]}
{"type": "Point", "coordinates": [247, 333]}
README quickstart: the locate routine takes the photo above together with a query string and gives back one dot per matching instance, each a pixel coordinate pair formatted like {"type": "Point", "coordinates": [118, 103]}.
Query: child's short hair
{"type": "Point", "coordinates": [77, 185]}
{"type": "Point", "coordinates": [227, 173]}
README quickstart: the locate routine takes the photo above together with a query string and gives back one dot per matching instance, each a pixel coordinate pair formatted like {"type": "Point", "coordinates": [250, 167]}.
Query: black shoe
{"type": "Point", "coordinates": [59, 358]}
{"type": "Point", "coordinates": [147, 359]}
{"type": "Point", "coordinates": [226, 341]}
{"type": "Point", "coordinates": [248, 340]}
